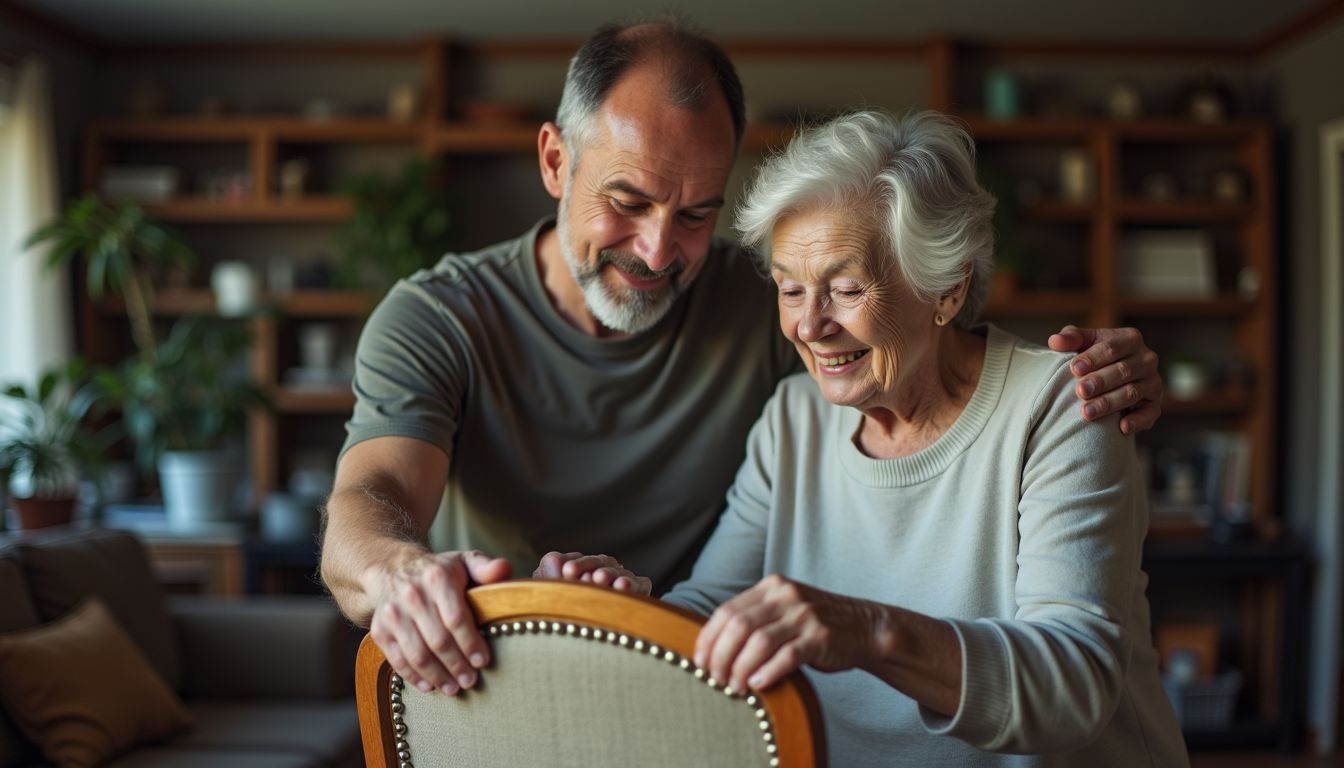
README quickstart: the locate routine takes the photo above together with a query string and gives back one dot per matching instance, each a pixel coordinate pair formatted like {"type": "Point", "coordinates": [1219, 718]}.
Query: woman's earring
{"type": "Point", "coordinates": [938, 319]}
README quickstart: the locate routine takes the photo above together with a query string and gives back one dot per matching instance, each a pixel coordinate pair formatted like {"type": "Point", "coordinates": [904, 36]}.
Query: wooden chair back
{"type": "Point", "coordinates": [582, 675]}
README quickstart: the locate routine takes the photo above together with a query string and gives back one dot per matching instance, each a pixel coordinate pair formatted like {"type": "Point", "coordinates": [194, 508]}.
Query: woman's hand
{"type": "Point", "coordinates": [759, 637]}
{"type": "Point", "coordinates": [1116, 372]}
{"type": "Point", "coordinates": [602, 570]}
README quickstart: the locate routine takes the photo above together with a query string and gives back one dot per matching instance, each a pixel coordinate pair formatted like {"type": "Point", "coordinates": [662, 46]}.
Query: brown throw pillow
{"type": "Point", "coordinates": [80, 689]}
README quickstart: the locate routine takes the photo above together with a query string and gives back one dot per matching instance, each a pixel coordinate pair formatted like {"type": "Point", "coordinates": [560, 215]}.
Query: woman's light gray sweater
{"type": "Point", "coordinates": [1022, 526]}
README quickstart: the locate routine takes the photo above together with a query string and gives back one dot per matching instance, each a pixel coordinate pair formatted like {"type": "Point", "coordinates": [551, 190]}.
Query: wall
{"type": "Point", "coordinates": [1306, 80]}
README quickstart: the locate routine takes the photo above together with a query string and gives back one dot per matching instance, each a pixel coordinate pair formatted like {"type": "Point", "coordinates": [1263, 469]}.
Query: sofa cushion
{"type": "Point", "coordinates": [326, 729]}
{"type": "Point", "coordinates": [16, 612]}
{"type": "Point", "coordinates": [64, 569]}
{"type": "Point", "coordinates": [16, 607]}
{"type": "Point", "coordinates": [82, 691]}
{"type": "Point", "coordinates": [294, 647]}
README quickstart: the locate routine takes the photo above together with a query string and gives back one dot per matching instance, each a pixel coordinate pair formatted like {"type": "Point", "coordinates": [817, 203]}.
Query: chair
{"type": "Point", "coordinates": [584, 676]}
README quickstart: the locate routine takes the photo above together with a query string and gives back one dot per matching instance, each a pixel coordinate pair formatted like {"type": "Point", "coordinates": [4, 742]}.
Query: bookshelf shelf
{"type": "Point", "coordinates": [313, 401]}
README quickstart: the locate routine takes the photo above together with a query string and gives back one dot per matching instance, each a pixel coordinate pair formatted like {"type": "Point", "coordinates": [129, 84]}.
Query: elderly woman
{"type": "Point", "coordinates": [953, 555]}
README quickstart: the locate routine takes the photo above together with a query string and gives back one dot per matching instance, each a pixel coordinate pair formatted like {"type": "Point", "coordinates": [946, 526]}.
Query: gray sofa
{"type": "Point", "coordinates": [267, 680]}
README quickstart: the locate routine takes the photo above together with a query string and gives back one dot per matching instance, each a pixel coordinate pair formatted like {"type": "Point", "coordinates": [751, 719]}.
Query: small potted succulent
{"type": "Point", "coordinates": [45, 449]}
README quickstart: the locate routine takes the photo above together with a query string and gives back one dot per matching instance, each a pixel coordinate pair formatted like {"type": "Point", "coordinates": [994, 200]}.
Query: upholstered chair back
{"type": "Point", "coordinates": [584, 676]}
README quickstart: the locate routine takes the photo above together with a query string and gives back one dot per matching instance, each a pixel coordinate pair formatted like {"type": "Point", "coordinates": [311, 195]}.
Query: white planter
{"type": "Point", "coordinates": [197, 487]}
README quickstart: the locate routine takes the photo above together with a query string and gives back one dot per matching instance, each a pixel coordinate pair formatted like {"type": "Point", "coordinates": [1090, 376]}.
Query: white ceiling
{"type": "Point", "coordinates": [1231, 21]}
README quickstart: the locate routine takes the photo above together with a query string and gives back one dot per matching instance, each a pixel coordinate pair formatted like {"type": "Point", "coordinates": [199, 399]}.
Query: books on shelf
{"type": "Point", "coordinates": [1207, 481]}
{"type": "Point", "coordinates": [1227, 473]}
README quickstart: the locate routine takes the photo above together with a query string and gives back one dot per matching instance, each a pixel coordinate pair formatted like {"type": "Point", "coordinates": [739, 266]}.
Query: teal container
{"type": "Point", "coordinates": [1003, 96]}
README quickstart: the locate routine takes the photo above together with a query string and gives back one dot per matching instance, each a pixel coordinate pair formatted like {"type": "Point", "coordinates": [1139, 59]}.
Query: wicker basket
{"type": "Point", "coordinates": [1205, 705]}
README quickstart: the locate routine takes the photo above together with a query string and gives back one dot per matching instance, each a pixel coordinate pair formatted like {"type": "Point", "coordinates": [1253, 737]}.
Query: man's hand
{"type": "Point", "coordinates": [423, 622]}
{"type": "Point", "coordinates": [602, 570]}
{"type": "Point", "coordinates": [1116, 373]}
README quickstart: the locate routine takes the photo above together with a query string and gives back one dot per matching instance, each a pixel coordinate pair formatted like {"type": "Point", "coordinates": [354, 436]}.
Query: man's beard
{"type": "Point", "coordinates": [625, 309]}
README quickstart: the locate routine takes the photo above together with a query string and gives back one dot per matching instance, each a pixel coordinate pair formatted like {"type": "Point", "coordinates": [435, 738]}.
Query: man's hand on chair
{"type": "Point", "coordinates": [424, 624]}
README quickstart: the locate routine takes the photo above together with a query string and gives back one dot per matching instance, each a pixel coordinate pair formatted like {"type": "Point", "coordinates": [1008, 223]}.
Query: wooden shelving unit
{"type": "Point", "coordinates": [1241, 317]}
{"type": "Point", "coordinates": [1095, 225]}
{"type": "Point", "coordinates": [1250, 319]}
{"type": "Point", "coordinates": [1100, 221]}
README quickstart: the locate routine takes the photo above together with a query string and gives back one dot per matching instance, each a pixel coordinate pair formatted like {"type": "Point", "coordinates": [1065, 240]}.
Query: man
{"type": "Point", "coordinates": [590, 385]}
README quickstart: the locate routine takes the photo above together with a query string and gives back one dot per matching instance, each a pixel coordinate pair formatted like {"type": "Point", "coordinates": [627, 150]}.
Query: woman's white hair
{"type": "Point", "coordinates": [915, 176]}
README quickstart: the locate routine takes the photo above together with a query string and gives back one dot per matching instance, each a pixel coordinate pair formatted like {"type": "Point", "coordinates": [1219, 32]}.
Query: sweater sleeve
{"type": "Point", "coordinates": [734, 557]}
{"type": "Point", "coordinates": [1050, 678]}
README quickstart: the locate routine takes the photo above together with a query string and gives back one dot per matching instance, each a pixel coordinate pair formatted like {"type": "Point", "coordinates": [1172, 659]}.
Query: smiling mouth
{"type": "Point", "coordinates": [642, 283]}
{"type": "Point", "coordinates": [848, 357]}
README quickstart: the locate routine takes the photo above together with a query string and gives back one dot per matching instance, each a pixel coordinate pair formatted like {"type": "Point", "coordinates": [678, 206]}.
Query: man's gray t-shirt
{"type": "Point", "coordinates": [559, 440]}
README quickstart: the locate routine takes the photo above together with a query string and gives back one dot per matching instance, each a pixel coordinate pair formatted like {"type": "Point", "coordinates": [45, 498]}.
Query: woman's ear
{"type": "Point", "coordinates": [553, 159]}
{"type": "Point", "coordinates": [951, 302]}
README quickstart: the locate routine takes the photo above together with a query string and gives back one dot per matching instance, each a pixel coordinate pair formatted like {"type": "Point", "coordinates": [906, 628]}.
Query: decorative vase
{"type": "Point", "coordinates": [235, 288]}
{"type": "Point", "coordinates": [1003, 97]}
{"type": "Point", "coordinates": [197, 487]}
{"type": "Point", "coordinates": [41, 512]}
{"type": "Point", "coordinates": [287, 517]}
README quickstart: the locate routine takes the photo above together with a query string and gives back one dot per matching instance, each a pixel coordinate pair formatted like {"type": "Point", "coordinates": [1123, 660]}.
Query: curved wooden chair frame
{"type": "Point", "coordinates": [791, 705]}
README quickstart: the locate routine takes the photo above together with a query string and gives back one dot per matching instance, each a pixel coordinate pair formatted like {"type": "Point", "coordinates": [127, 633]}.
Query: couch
{"type": "Point", "coordinates": [267, 682]}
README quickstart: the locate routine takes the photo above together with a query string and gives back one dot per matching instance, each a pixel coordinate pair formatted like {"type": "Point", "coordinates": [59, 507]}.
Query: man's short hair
{"type": "Point", "coordinates": [695, 68]}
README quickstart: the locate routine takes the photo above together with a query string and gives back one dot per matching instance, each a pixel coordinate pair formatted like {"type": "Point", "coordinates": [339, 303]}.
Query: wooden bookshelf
{"type": "Point", "coordinates": [332, 401]}
{"type": "Point", "coordinates": [1102, 219]}
{"type": "Point", "coordinates": [1095, 225]}
{"type": "Point", "coordinates": [252, 211]}
{"type": "Point", "coordinates": [1038, 304]}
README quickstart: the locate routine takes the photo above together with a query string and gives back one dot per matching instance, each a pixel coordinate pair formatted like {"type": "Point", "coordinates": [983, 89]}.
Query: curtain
{"type": "Point", "coordinates": [35, 310]}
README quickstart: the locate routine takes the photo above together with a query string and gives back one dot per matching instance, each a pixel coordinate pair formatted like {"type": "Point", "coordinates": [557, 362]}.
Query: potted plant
{"type": "Point", "coordinates": [45, 450]}
{"type": "Point", "coordinates": [400, 224]}
{"type": "Point", "coordinates": [181, 398]}
{"type": "Point", "coordinates": [181, 406]}
{"type": "Point", "coordinates": [1011, 255]}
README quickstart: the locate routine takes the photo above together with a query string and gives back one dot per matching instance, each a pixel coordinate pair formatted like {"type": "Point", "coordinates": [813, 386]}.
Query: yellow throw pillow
{"type": "Point", "coordinates": [81, 691]}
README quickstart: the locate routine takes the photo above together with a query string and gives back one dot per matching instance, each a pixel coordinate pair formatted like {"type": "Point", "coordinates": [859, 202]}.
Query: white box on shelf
{"type": "Point", "coordinates": [1167, 264]}
{"type": "Point", "coordinates": [143, 183]}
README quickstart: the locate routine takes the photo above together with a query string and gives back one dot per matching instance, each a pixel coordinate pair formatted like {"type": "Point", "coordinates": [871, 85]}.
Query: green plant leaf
{"type": "Point", "coordinates": [46, 386]}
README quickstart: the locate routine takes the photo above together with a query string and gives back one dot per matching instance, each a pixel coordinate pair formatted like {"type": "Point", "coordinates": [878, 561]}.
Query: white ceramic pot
{"type": "Point", "coordinates": [286, 517]}
{"type": "Point", "coordinates": [235, 288]}
{"type": "Point", "coordinates": [197, 487]}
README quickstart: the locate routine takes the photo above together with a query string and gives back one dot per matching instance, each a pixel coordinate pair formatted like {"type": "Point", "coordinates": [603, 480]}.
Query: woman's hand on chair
{"type": "Point", "coordinates": [763, 634]}
{"type": "Point", "coordinates": [602, 570]}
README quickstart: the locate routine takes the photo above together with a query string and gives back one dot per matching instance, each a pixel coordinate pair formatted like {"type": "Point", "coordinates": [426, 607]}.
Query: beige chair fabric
{"type": "Point", "coordinates": [562, 700]}
{"type": "Point", "coordinates": [584, 676]}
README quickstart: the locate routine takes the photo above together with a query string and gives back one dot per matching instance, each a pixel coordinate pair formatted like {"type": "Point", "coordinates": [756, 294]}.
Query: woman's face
{"type": "Point", "coordinates": [855, 322]}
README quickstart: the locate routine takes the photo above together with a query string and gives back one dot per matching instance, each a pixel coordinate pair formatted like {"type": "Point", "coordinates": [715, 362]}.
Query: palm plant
{"type": "Point", "coordinates": [400, 224]}
{"type": "Point", "coordinates": [122, 249]}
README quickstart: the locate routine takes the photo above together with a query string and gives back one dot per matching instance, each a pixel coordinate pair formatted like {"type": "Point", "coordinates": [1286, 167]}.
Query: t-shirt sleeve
{"type": "Point", "coordinates": [734, 557]}
{"type": "Point", "coordinates": [409, 372]}
{"type": "Point", "coordinates": [1050, 678]}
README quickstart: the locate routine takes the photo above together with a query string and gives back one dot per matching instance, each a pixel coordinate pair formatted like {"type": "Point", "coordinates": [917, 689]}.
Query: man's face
{"type": "Point", "coordinates": [638, 209]}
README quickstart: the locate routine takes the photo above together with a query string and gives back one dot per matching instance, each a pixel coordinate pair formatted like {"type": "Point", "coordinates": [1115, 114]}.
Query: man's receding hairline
{"type": "Point", "coordinates": [687, 81]}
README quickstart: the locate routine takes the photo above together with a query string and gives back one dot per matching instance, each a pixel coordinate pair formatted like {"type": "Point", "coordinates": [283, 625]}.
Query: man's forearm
{"type": "Point", "coordinates": [367, 536]}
